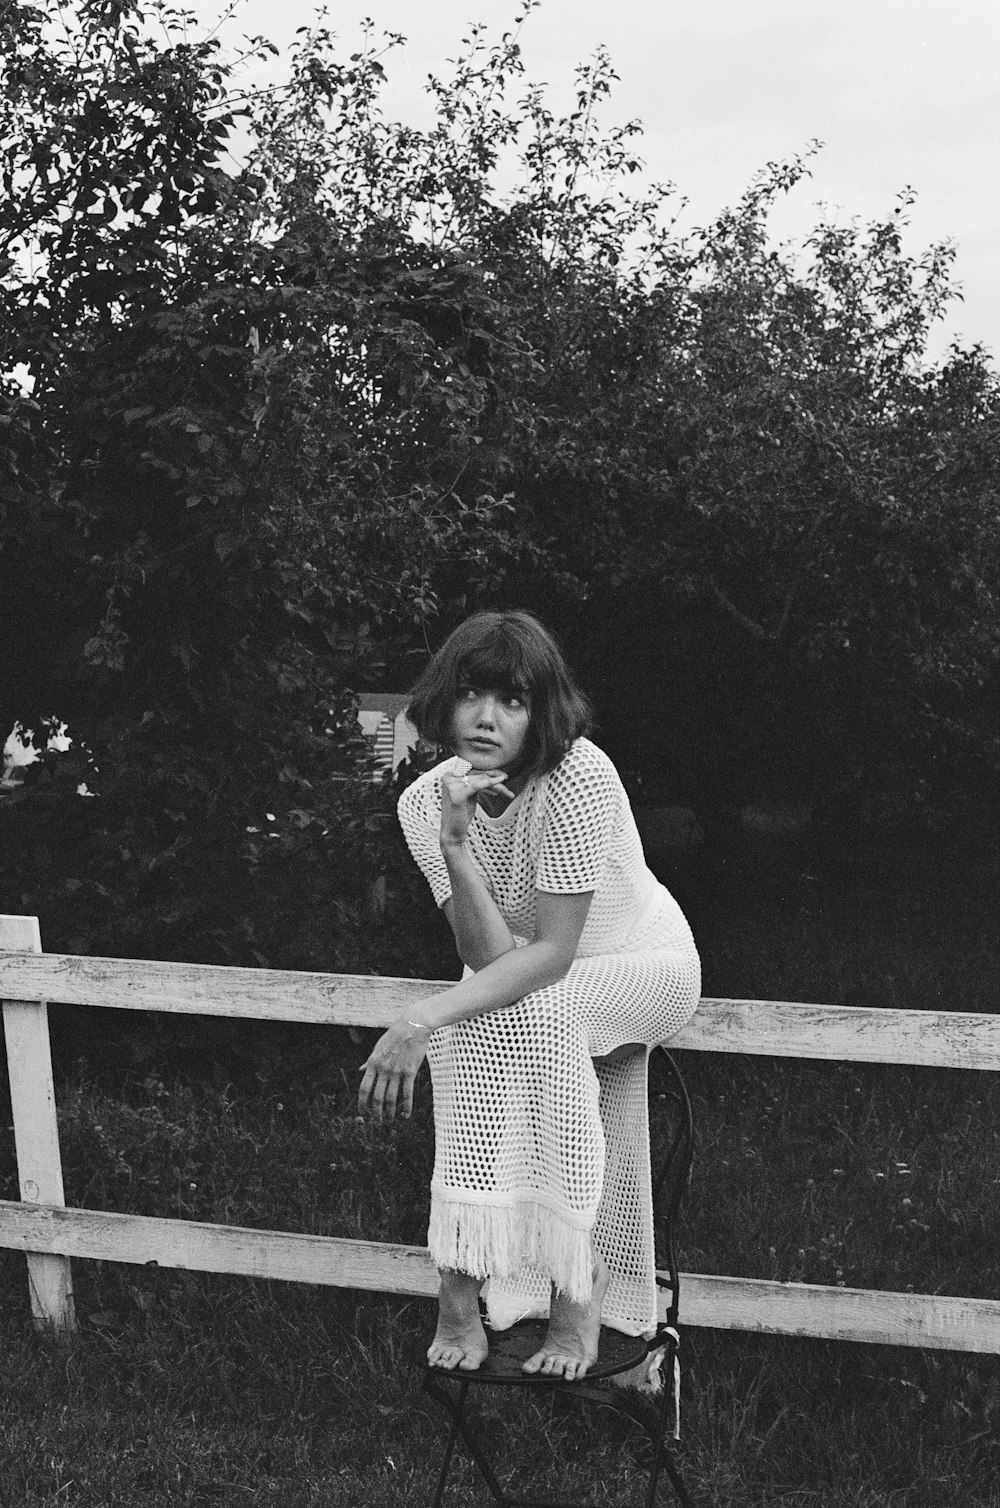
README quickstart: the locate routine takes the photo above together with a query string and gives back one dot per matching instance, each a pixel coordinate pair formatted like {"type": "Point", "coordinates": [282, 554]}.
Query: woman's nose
{"type": "Point", "coordinates": [487, 711]}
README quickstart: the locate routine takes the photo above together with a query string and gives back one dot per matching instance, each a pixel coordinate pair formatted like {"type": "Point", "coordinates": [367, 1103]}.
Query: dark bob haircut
{"type": "Point", "coordinates": [508, 653]}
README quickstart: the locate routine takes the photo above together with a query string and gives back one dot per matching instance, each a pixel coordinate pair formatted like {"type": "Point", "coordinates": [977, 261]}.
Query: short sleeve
{"type": "Point", "coordinates": [583, 803]}
{"type": "Point", "coordinates": [419, 811]}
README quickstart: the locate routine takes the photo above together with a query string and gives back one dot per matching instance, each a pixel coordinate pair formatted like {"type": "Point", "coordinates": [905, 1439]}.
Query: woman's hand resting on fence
{"type": "Point", "coordinates": [392, 1065]}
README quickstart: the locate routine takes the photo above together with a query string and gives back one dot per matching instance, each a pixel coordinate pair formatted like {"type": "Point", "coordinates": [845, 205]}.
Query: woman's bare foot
{"type": "Point", "coordinates": [460, 1340]}
{"type": "Point", "coordinates": [570, 1347]}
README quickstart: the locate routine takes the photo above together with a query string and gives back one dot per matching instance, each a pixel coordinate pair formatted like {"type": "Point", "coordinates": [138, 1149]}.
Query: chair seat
{"type": "Point", "coordinates": [509, 1349]}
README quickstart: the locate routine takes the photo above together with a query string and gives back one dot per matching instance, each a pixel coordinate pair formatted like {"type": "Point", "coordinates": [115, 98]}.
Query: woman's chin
{"type": "Point", "coordinates": [479, 760]}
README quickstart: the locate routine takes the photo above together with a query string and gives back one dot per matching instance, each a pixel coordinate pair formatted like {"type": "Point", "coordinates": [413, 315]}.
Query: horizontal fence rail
{"type": "Point", "coordinates": [767, 1307]}
{"type": "Point", "coordinates": [50, 1234]}
{"type": "Point", "coordinates": [858, 1034]}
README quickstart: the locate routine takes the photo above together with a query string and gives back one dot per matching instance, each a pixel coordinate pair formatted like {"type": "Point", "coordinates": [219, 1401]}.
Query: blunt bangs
{"type": "Point", "coordinates": [508, 653]}
{"type": "Point", "coordinates": [496, 663]}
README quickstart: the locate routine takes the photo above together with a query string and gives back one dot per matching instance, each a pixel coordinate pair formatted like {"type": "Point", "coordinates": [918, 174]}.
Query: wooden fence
{"type": "Point", "coordinates": [50, 1234]}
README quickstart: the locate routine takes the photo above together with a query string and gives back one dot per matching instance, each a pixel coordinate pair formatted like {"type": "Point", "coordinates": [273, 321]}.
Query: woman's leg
{"type": "Point", "coordinates": [570, 1346]}
{"type": "Point", "coordinates": [519, 1187]}
{"type": "Point", "coordinates": [460, 1340]}
{"type": "Point", "coordinates": [519, 1146]}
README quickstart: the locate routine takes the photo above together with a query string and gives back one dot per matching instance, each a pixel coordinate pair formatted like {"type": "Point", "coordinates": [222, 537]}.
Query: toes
{"type": "Point", "coordinates": [447, 1358]}
{"type": "Point", "coordinates": [555, 1364]}
{"type": "Point", "coordinates": [572, 1368]}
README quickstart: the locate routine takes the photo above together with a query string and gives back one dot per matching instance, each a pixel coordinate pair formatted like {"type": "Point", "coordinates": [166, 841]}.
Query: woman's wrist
{"type": "Point", "coordinates": [420, 1019]}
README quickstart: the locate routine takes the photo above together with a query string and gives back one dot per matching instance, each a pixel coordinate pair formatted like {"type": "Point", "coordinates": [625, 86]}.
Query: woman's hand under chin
{"type": "Point", "coordinates": [459, 796]}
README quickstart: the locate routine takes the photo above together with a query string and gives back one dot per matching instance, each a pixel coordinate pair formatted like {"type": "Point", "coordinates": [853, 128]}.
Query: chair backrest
{"type": "Point", "coordinates": [671, 1137]}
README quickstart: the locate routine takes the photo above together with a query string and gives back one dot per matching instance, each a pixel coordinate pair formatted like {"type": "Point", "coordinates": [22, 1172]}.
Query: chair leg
{"type": "Point", "coordinates": [640, 1414]}
{"type": "Point", "coordinates": [652, 1419]}
{"type": "Point", "coordinates": [456, 1408]}
{"type": "Point", "coordinates": [446, 1464]}
{"type": "Point", "coordinates": [676, 1480]}
{"type": "Point", "coordinates": [662, 1458]}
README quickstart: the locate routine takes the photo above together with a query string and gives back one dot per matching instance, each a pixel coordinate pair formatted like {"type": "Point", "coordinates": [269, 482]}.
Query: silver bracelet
{"type": "Point", "coordinates": [421, 1025]}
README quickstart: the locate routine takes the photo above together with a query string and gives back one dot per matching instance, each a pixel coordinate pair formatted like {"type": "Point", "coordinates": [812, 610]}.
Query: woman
{"type": "Point", "coordinates": [573, 951]}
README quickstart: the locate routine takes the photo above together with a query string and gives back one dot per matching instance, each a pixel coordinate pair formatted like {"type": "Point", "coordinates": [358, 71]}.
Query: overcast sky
{"type": "Point", "coordinates": [902, 92]}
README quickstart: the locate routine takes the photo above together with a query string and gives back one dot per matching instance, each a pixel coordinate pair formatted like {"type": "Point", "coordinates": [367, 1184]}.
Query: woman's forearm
{"type": "Point", "coordinates": [481, 934]}
{"type": "Point", "coordinates": [500, 983]}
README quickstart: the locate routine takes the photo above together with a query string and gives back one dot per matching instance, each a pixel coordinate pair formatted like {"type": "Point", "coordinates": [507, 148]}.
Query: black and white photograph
{"type": "Point", "coordinates": [499, 690]}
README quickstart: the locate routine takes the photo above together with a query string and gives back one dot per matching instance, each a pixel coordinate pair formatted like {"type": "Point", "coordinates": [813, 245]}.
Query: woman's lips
{"type": "Point", "coordinates": [482, 745]}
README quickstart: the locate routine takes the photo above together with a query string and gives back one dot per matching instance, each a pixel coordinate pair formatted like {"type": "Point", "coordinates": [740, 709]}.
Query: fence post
{"type": "Point", "coordinates": [36, 1133]}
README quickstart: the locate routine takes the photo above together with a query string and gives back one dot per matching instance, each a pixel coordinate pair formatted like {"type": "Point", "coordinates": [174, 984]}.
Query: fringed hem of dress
{"type": "Point", "coordinates": [501, 1240]}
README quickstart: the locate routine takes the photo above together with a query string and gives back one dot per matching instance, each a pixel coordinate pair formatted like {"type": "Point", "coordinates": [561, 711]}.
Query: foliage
{"type": "Point", "coordinates": [807, 573]}
{"type": "Point", "coordinates": [232, 506]}
{"type": "Point", "coordinates": [267, 432]}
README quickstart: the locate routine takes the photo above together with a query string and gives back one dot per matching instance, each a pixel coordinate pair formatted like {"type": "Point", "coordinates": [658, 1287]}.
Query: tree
{"type": "Point", "coordinates": [266, 434]}
{"type": "Point", "coordinates": [173, 583]}
{"type": "Point", "coordinates": [811, 546]}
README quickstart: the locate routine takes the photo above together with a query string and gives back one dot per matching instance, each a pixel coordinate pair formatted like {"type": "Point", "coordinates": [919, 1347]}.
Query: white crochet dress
{"type": "Point", "coordinates": [537, 1148]}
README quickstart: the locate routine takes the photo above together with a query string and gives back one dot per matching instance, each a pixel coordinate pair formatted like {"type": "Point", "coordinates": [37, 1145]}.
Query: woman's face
{"type": "Point", "coordinates": [490, 727]}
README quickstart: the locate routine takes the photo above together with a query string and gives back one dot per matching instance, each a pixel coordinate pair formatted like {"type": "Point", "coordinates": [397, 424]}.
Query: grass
{"type": "Point", "coordinates": [194, 1389]}
{"type": "Point", "coordinates": [185, 1389]}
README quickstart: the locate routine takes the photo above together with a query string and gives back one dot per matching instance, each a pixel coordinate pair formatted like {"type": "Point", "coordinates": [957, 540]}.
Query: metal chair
{"type": "Point", "coordinates": [672, 1147]}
